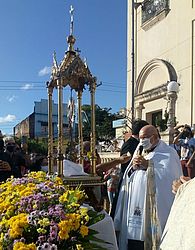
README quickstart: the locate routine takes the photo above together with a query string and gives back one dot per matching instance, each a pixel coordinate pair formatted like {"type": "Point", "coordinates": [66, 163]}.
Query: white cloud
{"type": "Point", "coordinates": [11, 98]}
{"type": "Point", "coordinates": [8, 118]}
{"type": "Point", "coordinates": [45, 71]}
{"type": "Point", "coordinates": [27, 86]}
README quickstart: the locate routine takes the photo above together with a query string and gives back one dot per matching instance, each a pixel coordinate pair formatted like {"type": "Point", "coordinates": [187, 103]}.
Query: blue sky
{"type": "Point", "coordinates": [30, 30]}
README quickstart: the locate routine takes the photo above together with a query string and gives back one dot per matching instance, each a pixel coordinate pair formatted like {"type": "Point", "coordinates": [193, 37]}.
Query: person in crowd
{"type": "Point", "coordinates": [36, 164]}
{"type": "Point", "coordinates": [25, 154]}
{"type": "Point", "coordinates": [153, 177]}
{"type": "Point", "coordinates": [126, 135]}
{"type": "Point", "coordinates": [180, 228]}
{"type": "Point", "coordinates": [1, 135]}
{"type": "Point", "coordinates": [5, 163]}
{"type": "Point", "coordinates": [131, 143]}
{"type": "Point", "coordinates": [110, 172]}
{"type": "Point", "coordinates": [17, 161]}
{"type": "Point", "coordinates": [176, 146]}
{"type": "Point", "coordinates": [186, 141]}
{"type": "Point", "coordinates": [177, 183]}
{"type": "Point", "coordinates": [44, 164]}
{"type": "Point", "coordinates": [112, 181]}
{"type": "Point", "coordinates": [87, 156]}
{"type": "Point", "coordinates": [113, 147]}
{"type": "Point", "coordinates": [106, 166]}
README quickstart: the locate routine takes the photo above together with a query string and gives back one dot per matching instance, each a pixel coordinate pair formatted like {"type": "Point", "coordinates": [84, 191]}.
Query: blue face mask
{"type": "Point", "coordinates": [146, 143]}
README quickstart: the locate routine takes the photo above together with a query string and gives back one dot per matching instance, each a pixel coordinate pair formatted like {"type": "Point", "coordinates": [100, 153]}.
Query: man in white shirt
{"type": "Point", "coordinates": [153, 177]}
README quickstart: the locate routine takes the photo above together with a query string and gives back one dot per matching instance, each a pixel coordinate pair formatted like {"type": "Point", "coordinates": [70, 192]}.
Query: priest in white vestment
{"type": "Point", "coordinates": [146, 197]}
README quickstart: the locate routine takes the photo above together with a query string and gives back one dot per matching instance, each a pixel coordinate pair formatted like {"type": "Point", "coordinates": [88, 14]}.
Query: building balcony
{"type": "Point", "coordinates": [153, 11]}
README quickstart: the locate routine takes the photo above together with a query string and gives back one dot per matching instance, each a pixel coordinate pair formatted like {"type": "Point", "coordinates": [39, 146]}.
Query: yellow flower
{"type": "Point", "coordinates": [87, 217]}
{"type": "Point", "coordinates": [17, 224]}
{"type": "Point", "coordinates": [63, 198]}
{"type": "Point", "coordinates": [72, 196]}
{"type": "Point", "coordinates": [41, 230]}
{"type": "Point", "coordinates": [84, 230]}
{"type": "Point", "coordinates": [28, 190]}
{"type": "Point", "coordinates": [79, 194]}
{"type": "Point", "coordinates": [23, 246]}
{"type": "Point", "coordinates": [44, 222]}
{"type": "Point", "coordinates": [73, 204]}
{"type": "Point", "coordinates": [83, 211]}
{"type": "Point", "coordinates": [79, 247]}
{"type": "Point", "coordinates": [40, 176]}
{"type": "Point", "coordinates": [64, 229]}
{"type": "Point", "coordinates": [63, 235]}
{"type": "Point", "coordinates": [58, 181]}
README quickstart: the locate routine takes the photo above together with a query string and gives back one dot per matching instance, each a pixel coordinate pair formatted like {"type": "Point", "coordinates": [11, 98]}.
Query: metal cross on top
{"type": "Point", "coordinates": [71, 19]}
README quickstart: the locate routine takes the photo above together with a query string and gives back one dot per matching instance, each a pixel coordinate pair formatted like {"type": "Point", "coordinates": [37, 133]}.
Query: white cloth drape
{"type": "Point", "coordinates": [180, 228]}
{"type": "Point", "coordinates": [106, 232]}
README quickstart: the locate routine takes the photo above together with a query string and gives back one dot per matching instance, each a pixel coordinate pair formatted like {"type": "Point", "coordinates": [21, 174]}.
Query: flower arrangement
{"type": "Point", "coordinates": [39, 212]}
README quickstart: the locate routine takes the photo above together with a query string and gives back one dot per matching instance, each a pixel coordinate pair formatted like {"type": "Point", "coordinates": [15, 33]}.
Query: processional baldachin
{"type": "Point", "coordinates": [72, 72]}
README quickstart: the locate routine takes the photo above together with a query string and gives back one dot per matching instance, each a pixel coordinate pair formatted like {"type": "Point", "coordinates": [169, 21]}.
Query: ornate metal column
{"type": "Point", "coordinates": [93, 138]}
{"type": "Point", "coordinates": [60, 127]}
{"type": "Point", "coordinates": [50, 131]}
{"type": "Point", "coordinates": [80, 127]}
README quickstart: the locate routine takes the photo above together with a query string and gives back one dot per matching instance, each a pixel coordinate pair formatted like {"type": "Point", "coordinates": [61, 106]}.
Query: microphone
{"type": "Point", "coordinates": [140, 150]}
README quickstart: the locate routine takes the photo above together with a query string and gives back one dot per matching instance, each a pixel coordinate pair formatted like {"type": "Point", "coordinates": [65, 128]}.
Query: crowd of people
{"type": "Point", "coordinates": [149, 186]}
{"type": "Point", "coordinates": [144, 207]}
{"type": "Point", "coordinates": [15, 160]}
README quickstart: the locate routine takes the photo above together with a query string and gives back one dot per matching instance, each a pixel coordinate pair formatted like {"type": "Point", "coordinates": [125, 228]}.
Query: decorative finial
{"type": "Point", "coordinates": [70, 39]}
{"type": "Point", "coordinates": [55, 64]}
{"type": "Point", "coordinates": [54, 69]}
{"type": "Point", "coordinates": [71, 19]}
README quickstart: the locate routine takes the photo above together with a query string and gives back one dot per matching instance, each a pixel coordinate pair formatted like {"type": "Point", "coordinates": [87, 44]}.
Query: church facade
{"type": "Point", "coordinates": [164, 51]}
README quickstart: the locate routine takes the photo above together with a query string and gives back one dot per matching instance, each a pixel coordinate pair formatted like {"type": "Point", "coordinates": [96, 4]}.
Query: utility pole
{"type": "Point", "coordinates": [134, 6]}
{"type": "Point", "coordinates": [132, 61]}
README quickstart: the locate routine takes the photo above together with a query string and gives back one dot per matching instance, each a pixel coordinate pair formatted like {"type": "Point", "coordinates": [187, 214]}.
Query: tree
{"type": "Point", "coordinates": [38, 147]}
{"type": "Point", "coordinates": [104, 120]}
{"type": "Point", "coordinates": [34, 146]}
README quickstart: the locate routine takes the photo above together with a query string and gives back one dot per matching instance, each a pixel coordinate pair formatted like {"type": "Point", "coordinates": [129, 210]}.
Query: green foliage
{"type": "Point", "coordinates": [162, 123]}
{"type": "Point", "coordinates": [103, 122]}
{"type": "Point", "coordinates": [37, 147]}
{"type": "Point", "coordinates": [94, 217]}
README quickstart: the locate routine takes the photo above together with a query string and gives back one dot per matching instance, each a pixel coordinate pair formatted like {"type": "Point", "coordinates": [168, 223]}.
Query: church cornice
{"type": "Point", "coordinates": [152, 94]}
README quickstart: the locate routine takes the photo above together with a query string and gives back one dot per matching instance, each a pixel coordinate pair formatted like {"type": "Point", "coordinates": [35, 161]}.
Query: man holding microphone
{"type": "Point", "coordinates": [146, 198]}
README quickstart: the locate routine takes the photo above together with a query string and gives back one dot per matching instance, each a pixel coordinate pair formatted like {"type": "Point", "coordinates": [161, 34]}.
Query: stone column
{"type": "Point", "coordinates": [138, 110]}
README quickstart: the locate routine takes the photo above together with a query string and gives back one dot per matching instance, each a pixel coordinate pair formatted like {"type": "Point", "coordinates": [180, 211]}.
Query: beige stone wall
{"type": "Point", "coordinates": [171, 39]}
